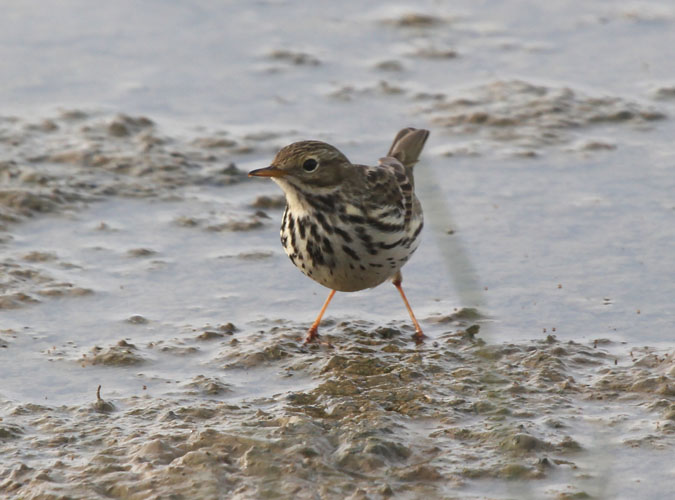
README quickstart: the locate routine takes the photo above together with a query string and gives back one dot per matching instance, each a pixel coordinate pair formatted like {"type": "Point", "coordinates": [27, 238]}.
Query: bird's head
{"type": "Point", "coordinates": [306, 164]}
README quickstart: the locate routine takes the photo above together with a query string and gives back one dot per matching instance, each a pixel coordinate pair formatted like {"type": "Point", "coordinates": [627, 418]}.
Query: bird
{"type": "Point", "coordinates": [347, 226]}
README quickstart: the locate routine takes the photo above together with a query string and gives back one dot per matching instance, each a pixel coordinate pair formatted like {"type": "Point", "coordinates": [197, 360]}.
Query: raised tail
{"type": "Point", "coordinates": [408, 145]}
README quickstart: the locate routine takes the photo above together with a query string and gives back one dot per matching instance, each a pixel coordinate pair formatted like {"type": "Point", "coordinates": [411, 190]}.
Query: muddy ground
{"type": "Point", "coordinates": [151, 326]}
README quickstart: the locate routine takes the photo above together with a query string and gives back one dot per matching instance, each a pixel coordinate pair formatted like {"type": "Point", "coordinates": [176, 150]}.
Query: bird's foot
{"type": "Point", "coordinates": [419, 337]}
{"type": "Point", "coordinates": [312, 335]}
{"type": "Point", "coordinates": [313, 338]}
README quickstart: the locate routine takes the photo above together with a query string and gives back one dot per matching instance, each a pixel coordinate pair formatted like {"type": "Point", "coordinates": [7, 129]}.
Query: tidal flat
{"type": "Point", "coordinates": [151, 325]}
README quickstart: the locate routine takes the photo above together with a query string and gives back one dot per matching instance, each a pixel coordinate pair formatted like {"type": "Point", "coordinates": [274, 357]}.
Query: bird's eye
{"type": "Point", "coordinates": [310, 165]}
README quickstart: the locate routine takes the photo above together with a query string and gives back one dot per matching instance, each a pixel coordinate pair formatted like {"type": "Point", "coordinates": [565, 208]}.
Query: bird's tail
{"type": "Point", "coordinates": [408, 145]}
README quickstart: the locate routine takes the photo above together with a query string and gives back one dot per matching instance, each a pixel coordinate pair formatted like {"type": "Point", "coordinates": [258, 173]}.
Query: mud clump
{"type": "Point", "coordinates": [8, 431]}
{"type": "Point", "coordinates": [37, 256]}
{"type": "Point", "coordinates": [124, 125]}
{"type": "Point", "coordinates": [141, 252]}
{"type": "Point", "coordinates": [416, 20]}
{"type": "Point", "coordinates": [64, 290]}
{"type": "Point", "coordinates": [120, 354]}
{"type": "Point", "coordinates": [137, 319]}
{"type": "Point", "coordinates": [215, 142]}
{"type": "Point", "coordinates": [16, 300]}
{"type": "Point", "coordinates": [101, 405]}
{"type": "Point", "coordinates": [664, 93]}
{"type": "Point", "coordinates": [87, 156]}
{"type": "Point", "coordinates": [350, 92]}
{"type": "Point", "coordinates": [295, 58]}
{"type": "Point", "coordinates": [534, 116]}
{"type": "Point", "coordinates": [247, 224]}
{"type": "Point", "coordinates": [435, 53]}
{"type": "Point", "coordinates": [16, 204]}
{"type": "Point", "coordinates": [268, 202]}
{"type": "Point", "coordinates": [208, 386]}
{"type": "Point", "coordinates": [219, 332]}
{"type": "Point", "coordinates": [22, 285]}
{"type": "Point", "coordinates": [389, 65]}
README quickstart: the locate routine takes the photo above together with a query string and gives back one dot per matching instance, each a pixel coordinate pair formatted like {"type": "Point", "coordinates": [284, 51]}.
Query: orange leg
{"type": "Point", "coordinates": [313, 332]}
{"type": "Point", "coordinates": [419, 335]}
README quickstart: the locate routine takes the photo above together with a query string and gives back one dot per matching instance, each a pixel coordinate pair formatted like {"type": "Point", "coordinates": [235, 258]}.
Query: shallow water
{"type": "Point", "coordinates": [137, 256]}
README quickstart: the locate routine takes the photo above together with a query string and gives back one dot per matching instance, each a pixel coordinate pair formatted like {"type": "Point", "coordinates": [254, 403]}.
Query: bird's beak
{"type": "Point", "coordinates": [270, 171]}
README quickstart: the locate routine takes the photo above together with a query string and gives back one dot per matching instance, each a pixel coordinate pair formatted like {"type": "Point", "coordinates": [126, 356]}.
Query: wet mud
{"type": "Point", "coordinates": [532, 117]}
{"type": "Point", "coordinates": [151, 327]}
{"type": "Point", "coordinates": [365, 413]}
{"type": "Point", "coordinates": [379, 417]}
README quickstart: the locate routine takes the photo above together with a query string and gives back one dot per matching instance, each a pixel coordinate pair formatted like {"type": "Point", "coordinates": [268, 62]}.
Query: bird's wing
{"type": "Point", "coordinates": [389, 191]}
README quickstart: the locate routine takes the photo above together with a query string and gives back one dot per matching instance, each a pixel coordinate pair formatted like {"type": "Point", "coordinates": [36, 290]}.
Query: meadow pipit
{"type": "Point", "coordinates": [349, 227]}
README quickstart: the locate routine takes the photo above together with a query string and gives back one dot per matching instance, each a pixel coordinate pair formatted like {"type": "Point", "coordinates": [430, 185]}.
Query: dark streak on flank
{"type": "Point", "coordinates": [314, 231]}
{"type": "Point", "coordinates": [388, 246]}
{"type": "Point", "coordinates": [315, 254]}
{"type": "Point", "coordinates": [352, 219]}
{"type": "Point", "coordinates": [418, 231]}
{"type": "Point", "coordinates": [350, 252]}
{"type": "Point", "coordinates": [327, 247]}
{"type": "Point", "coordinates": [384, 227]}
{"type": "Point", "coordinates": [343, 234]}
{"type": "Point", "coordinates": [302, 225]}
{"type": "Point", "coordinates": [291, 228]}
{"type": "Point", "coordinates": [367, 240]}
{"type": "Point", "coordinates": [394, 211]}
